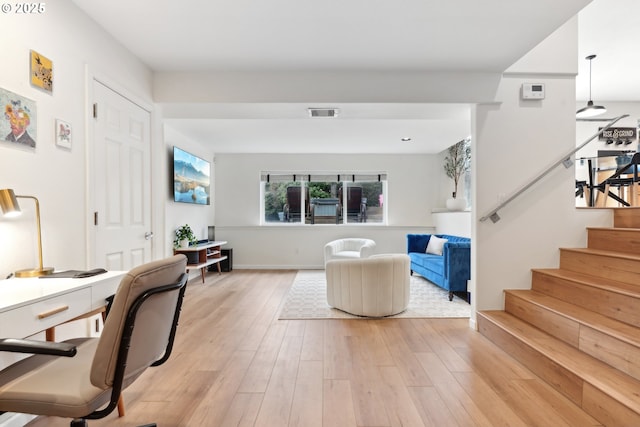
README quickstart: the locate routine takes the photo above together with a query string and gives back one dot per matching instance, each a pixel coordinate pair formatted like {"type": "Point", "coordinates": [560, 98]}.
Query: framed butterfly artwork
{"type": "Point", "coordinates": [63, 134]}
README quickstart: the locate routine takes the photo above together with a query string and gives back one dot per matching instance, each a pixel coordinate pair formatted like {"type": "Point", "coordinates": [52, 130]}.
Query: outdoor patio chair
{"type": "Point", "coordinates": [292, 207]}
{"type": "Point", "coordinates": [356, 204]}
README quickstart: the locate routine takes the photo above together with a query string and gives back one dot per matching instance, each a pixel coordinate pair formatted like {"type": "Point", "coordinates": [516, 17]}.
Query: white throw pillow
{"type": "Point", "coordinates": [435, 245]}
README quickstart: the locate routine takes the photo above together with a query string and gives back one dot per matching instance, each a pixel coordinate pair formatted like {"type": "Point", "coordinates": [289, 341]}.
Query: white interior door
{"type": "Point", "coordinates": [122, 181]}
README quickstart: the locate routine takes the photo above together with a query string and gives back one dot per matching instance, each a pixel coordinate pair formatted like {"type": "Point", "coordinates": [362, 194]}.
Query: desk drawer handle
{"type": "Point", "coordinates": [52, 312]}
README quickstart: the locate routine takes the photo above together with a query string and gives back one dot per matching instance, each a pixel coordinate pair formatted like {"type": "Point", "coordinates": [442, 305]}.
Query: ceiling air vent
{"type": "Point", "coordinates": [323, 112]}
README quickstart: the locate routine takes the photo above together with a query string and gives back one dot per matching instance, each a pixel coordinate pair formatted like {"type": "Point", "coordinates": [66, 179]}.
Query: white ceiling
{"type": "Point", "coordinates": [357, 35]}
{"type": "Point", "coordinates": [254, 35]}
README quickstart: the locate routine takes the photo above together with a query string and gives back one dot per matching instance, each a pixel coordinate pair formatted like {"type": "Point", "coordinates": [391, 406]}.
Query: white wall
{"type": "Point", "coordinates": [199, 217]}
{"type": "Point", "coordinates": [325, 86]}
{"type": "Point", "coordinates": [413, 191]}
{"type": "Point", "coordinates": [514, 145]}
{"type": "Point", "coordinates": [56, 176]}
{"type": "Point", "coordinates": [453, 223]}
{"type": "Point", "coordinates": [514, 140]}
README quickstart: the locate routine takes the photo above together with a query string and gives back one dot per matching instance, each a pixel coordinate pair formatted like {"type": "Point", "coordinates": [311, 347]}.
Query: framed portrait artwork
{"type": "Point", "coordinates": [18, 123]}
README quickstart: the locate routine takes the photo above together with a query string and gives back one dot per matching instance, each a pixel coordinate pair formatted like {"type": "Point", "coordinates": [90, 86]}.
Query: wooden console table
{"type": "Point", "coordinates": [207, 254]}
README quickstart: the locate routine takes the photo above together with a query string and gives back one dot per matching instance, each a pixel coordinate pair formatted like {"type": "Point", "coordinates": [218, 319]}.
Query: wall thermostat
{"type": "Point", "coordinates": [533, 91]}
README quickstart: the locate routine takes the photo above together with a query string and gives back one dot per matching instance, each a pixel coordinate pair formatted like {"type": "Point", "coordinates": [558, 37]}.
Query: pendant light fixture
{"type": "Point", "coordinates": [590, 110]}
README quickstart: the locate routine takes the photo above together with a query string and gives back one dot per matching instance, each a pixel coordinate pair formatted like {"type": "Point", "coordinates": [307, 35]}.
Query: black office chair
{"type": "Point", "coordinates": [82, 378]}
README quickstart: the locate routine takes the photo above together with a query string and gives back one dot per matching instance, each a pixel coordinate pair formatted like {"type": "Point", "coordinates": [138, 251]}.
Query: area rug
{"type": "Point", "coordinates": [307, 299]}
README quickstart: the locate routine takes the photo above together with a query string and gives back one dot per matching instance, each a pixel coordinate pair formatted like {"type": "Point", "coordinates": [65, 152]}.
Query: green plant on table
{"type": "Point", "coordinates": [184, 233]}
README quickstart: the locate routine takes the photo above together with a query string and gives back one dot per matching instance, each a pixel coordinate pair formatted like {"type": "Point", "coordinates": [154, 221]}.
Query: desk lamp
{"type": "Point", "coordinates": [10, 207]}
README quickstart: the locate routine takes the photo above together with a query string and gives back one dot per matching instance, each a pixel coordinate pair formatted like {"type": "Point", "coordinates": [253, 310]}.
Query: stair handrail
{"type": "Point", "coordinates": [564, 160]}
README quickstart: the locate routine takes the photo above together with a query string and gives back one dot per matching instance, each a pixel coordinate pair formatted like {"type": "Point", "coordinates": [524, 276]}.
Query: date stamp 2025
{"type": "Point", "coordinates": [23, 8]}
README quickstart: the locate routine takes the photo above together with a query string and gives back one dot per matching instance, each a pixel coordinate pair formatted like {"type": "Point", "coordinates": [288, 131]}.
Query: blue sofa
{"type": "Point", "coordinates": [451, 270]}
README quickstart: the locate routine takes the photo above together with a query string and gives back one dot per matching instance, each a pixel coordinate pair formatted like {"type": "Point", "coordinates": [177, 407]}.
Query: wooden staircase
{"type": "Point", "coordinates": [578, 327]}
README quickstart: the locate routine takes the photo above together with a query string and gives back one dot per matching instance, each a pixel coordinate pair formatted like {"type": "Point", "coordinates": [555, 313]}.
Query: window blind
{"type": "Point", "coordinates": [323, 176]}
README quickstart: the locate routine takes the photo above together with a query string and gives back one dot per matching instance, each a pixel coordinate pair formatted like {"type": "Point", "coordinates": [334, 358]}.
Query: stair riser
{"type": "Point", "coordinates": [558, 377]}
{"type": "Point", "coordinates": [617, 306]}
{"type": "Point", "coordinates": [613, 351]}
{"type": "Point", "coordinates": [607, 410]}
{"type": "Point", "coordinates": [614, 240]}
{"type": "Point", "coordinates": [621, 355]}
{"type": "Point", "coordinates": [555, 325]}
{"type": "Point", "coordinates": [621, 269]}
{"type": "Point", "coordinates": [626, 218]}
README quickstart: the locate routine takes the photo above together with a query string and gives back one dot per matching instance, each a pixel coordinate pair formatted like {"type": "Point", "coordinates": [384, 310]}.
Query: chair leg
{"type": "Point", "coordinates": [120, 406]}
{"type": "Point", "coordinates": [104, 317]}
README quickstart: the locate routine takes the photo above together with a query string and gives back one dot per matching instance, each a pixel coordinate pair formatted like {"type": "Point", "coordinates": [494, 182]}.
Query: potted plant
{"type": "Point", "coordinates": [184, 237]}
{"type": "Point", "coordinates": [456, 163]}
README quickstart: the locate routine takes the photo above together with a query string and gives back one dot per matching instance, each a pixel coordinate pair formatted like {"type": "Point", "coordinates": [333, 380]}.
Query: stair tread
{"type": "Point", "coordinates": [626, 229]}
{"type": "Point", "coordinates": [603, 252]}
{"type": "Point", "coordinates": [615, 328]}
{"type": "Point", "coordinates": [593, 281]}
{"type": "Point", "coordinates": [609, 380]}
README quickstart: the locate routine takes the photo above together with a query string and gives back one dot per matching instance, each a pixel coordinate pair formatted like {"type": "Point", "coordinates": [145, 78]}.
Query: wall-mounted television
{"type": "Point", "coordinates": [191, 178]}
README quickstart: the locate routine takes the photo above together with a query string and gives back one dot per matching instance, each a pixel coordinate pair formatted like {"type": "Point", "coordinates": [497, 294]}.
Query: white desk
{"type": "Point", "coordinates": [32, 305]}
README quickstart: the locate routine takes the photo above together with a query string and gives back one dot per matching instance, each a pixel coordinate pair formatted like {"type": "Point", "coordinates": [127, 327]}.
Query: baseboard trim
{"type": "Point", "coordinates": [473, 324]}
{"type": "Point", "coordinates": [278, 267]}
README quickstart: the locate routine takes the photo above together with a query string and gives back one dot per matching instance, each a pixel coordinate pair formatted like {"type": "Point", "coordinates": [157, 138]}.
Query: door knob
{"type": "Point", "coordinates": [148, 235]}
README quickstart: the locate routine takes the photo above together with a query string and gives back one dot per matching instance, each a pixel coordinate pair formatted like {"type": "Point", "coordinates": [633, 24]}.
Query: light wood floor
{"type": "Point", "coordinates": [236, 364]}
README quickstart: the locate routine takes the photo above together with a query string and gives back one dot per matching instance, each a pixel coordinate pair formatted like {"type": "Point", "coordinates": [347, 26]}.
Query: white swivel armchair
{"type": "Point", "coordinates": [376, 286]}
{"type": "Point", "coordinates": [349, 248]}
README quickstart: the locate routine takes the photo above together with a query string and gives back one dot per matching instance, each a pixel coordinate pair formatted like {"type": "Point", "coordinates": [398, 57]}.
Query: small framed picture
{"type": "Point", "coordinates": [41, 71]}
{"type": "Point", "coordinates": [63, 134]}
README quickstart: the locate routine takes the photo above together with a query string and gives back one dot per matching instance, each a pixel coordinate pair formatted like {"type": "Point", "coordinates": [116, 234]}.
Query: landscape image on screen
{"type": "Point", "coordinates": [191, 181]}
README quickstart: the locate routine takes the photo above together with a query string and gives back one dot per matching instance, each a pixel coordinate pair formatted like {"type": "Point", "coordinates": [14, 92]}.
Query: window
{"type": "Point", "coordinates": [313, 198]}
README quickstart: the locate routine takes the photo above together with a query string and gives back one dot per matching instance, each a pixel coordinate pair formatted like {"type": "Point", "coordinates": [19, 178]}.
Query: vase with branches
{"type": "Point", "coordinates": [457, 162]}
